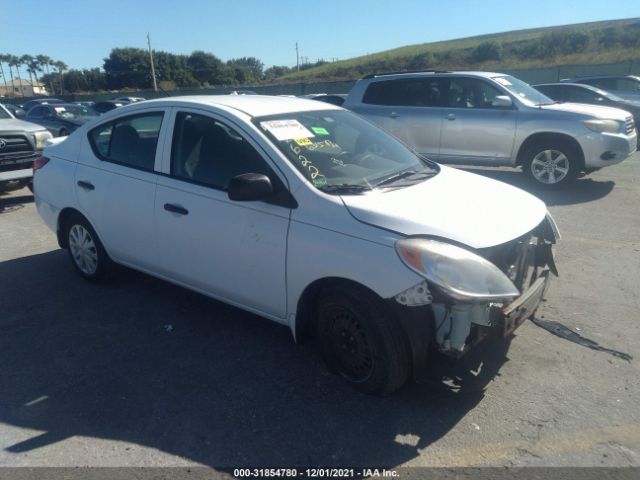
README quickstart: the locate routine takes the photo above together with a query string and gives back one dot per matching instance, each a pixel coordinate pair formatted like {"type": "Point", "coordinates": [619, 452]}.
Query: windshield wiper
{"type": "Point", "coordinates": [405, 174]}
{"type": "Point", "coordinates": [345, 188]}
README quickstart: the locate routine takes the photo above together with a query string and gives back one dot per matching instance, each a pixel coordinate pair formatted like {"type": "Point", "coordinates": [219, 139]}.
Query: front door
{"type": "Point", "coordinates": [234, 251]}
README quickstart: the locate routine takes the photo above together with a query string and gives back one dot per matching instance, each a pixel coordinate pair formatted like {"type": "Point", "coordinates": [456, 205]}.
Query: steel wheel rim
{"type": "Point", "coordinates": [83, 249]}
{"type": "Point", "coordinates": [550, 166]}
{"type": "Point", "coordinates": [350, 344]}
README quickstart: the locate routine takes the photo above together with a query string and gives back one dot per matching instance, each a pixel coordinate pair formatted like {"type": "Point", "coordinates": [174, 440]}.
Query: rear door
{"type": "Point", "coordinates": [473, 131]}
{"type": "Point", "coordinates": [411, 109]}
{"type": "Point", "coordinates": [116, 185]}
{"type": "Point", "coordinates": [235, 251]}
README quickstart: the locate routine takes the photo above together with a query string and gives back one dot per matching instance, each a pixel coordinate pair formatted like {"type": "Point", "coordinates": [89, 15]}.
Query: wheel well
{"type": "Point", "coordinates": [65, 214]}
{"type": "Point", "coordinates": [305, 323]}
{"type": "Point", "coordinates": [549, 137]}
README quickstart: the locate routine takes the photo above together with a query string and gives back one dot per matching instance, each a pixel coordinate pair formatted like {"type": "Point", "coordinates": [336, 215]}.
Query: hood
{"type": "Point", "coordinates": [15, 125]}
{"type": "Point", "coordinates": [597, 111]}
{"type": "Point", "coordinates": [457, 205]}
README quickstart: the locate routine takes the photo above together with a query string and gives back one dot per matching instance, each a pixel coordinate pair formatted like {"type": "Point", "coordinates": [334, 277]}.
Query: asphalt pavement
{"type": "Point", "coordinates": [140, 372]}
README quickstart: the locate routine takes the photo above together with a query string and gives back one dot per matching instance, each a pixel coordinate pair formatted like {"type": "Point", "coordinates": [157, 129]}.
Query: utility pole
{"type": "Point", "coordinates": [297, 58]}
{"type": "Point", "coordinates": [153, 68]}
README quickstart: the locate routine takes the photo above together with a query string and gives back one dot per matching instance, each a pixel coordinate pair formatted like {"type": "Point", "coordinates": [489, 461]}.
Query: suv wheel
{"type": "Point", "coordinates": [361, 341]}
{"type": "Point", "coordinates": [85, 250]}
{"type": "Point", "coordinates": [551, 165]}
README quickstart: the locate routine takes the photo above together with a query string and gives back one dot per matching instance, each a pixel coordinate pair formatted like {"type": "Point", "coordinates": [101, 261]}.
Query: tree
{"type": "Point", "coordinates": [3, 58]}
{"type": "Point", "coordinates": [45, 62]}
{"type": "Point", "coordinates": [60, 67]}
{"type": "Point", "coordinates": [128, 67]}
{"type": "Point", "coordinates": [27, 60]}
{"type": "Point", "coordinates": [209, 69]}
{"type": "Point", "coordinates": [486, 51]}
{"type": "Point", "coordinates": [13, 62]}
{"type": "Point", "coordinates": [253, 67]}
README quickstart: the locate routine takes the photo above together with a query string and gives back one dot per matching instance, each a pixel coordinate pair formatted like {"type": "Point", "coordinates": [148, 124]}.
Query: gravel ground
{"type": "Point", "coordinates": [143, 373]}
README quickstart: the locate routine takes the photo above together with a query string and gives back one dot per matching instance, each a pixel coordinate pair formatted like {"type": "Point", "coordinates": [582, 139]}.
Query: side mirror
{"type": "Point", "coordinates": [502, 101]}
{"type": "Point", "coordinates": [249, 187]}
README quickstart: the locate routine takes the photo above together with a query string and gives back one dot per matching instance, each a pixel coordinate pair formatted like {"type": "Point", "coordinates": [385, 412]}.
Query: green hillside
{"type": "Point", "coordinates": [584, 43]}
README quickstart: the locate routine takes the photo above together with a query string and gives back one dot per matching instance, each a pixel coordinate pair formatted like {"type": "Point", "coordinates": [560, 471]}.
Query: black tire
{"type": "Point", "coordinates": [557, 157]}
{"type": "Point", "coordinates": [361, 341]}
{"type": "Point", "coordinates": [75, 225]}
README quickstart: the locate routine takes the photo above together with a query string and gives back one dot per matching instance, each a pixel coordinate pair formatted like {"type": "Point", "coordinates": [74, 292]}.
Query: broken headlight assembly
{"type": "Point", "coordinates": [457, 272]}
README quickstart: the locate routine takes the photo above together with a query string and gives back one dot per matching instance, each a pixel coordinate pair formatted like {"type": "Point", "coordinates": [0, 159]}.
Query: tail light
{"type": "Point", "coordinates": [39, 162]}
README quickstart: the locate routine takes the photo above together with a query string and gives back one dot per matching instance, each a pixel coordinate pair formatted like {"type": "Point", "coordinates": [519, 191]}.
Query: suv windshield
{"type": "Point", "coordinates": [523, 90]}
{"type": "Point", "coordinates": [338, 152]}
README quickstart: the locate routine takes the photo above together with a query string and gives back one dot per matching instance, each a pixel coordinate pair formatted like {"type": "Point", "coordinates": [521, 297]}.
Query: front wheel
{"type": "Point", "coordinates": [551, 165]}
{"type": "Point", "coordinates": [361, 341]}
{"type": "Point", "coordinates": [86, 251]}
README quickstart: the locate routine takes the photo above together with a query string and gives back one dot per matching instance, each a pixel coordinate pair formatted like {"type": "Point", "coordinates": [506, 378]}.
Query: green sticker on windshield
{"type": "Point", "coordinates": [319, 131]}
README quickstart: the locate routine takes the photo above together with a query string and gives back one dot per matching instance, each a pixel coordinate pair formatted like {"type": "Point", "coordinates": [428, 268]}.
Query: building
{"type": "Point", "coordinates": [22, 88]}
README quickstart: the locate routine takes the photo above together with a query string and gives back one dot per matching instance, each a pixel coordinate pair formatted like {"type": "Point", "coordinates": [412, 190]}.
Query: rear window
{"type": "Point", "coordinates": [410, 92]}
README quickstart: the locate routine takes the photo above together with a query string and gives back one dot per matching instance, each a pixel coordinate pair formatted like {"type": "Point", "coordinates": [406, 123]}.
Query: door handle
{"type": "Point", "coordinates": [86, 185]}
{"type": "Point", "coordinates": [170, 207]}
{"type": "Point", "coordinates": [451, 116]}
{"type": "Point", "coordinates": [394, 115]}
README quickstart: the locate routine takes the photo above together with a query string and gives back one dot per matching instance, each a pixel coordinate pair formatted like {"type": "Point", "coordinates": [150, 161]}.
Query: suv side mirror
{"type": "Point", "coordinates": [502, 101]}
{"type": "Point", "coordinates": [249, 187]}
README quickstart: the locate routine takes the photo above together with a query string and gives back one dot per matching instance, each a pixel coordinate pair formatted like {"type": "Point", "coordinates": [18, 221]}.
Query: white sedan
{"type": "Point", "coordinates": [305, 214]}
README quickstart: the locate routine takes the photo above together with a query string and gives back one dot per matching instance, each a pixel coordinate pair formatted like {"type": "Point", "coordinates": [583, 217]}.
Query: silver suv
{"type": "Point", "coordinates": [483, 118]}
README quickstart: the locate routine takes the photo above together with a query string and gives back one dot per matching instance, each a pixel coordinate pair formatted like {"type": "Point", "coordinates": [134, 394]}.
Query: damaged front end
{"type": "Point", "coordinates": [470, 294]}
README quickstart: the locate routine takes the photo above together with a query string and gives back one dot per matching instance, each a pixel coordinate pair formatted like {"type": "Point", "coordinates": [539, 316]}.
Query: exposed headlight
{"type": "Point", "coordinates": [608, 126]}
{"type": "Point", "coordinates": [459, 273]}
{"type": "Point", "coordinates": [41, 139]}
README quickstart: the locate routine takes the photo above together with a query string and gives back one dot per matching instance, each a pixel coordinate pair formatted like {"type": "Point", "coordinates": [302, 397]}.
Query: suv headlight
{"type": "Point", "coordinates": [459, 273]}
{"type": "Point", "coordinates": [41, 139]}
{"type": "Point", "coordinates": [606, 126]}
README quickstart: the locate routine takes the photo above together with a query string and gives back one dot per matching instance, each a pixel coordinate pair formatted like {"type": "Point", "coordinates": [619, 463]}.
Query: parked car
{"type": "Point", "coordinates": [129, 99]}
{"type": "Point", "coordinates": [277, 206]}
{"type": "Point", "coordinates": [16, 111]}
{"type": "Point", "coordinates": [20, 144]}
{"type": "Point", "coordinates": [107, 105]}
{"type": "Point", "coordinates": [579, 93]}
{"type": "Point", "coordinates": [60, 118]}
{"type": "Point", "coordinates": [332, 98]}
{"type": "Point", "coordinates": [625, 86]}
{"type": "Point", "coordinates": [40, 101]}
{"type": "Point", "coordinates": [494, 119]}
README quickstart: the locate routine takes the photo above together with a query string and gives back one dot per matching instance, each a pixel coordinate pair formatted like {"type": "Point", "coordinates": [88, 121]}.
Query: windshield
{"type": "Point", "coordinates": [608, 95]}
{"type": "Point", "coordinates": [4, 113]}
{"type": "Point", "coordinates": [71, 112]}
{"type": "Point", "coordinates": [523, 91]}
{"type": "Point", "coordinates": [338, 152]}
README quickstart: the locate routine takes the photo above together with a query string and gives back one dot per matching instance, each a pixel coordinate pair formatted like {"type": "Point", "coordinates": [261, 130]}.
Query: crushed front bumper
{"type": "Point", "coordinates": [523, 307]}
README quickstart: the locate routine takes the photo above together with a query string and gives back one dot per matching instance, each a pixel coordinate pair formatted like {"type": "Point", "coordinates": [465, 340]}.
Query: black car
{"type": "Point", "coordinates": [60, 118]}
{"type": "Point", "coordinates": [108, 105]}
{"type": "Point", "coordinates": [15, 110]}
{"type": "Point", "coordinates": [40, 101]}
{"type": "Point", "coordinates": [579, 93]}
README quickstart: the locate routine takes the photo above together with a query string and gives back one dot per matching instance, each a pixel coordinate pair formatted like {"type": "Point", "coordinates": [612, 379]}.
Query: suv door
{"type": "Point", "coordinates": [116, 183]}
{"type": "Point", "coordinates": [473, 131]}
{"type": "Point", "coordinates": [411, 109]}
{"type": "Point", "coordinates": [235, 251]}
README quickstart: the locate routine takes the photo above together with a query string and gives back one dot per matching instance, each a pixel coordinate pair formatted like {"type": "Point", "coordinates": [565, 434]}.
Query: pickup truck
{"type": "Point", "coordinates": [493, 119]}
{"type": "Point", "coordinates": [20, 144]}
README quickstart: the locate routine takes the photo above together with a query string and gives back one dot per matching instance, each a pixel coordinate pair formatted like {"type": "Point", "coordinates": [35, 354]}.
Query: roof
{"type": "Point", "coordinates": [437, 72]}
{"type": "Point", "coordinates": [252, 105]}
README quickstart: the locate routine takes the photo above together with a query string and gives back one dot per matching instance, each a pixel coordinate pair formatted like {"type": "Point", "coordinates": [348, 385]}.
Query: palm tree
{"type": "Point", "coordinates": [13, 61]}
{"type": "Point", "coordinates": [27, 60]}
{"type": "Point", "coordinates": [45, 61]}
{"type": "Point", "coordinates": [3, 58]}
{"type": "Point", "coordinates": [61, 67]}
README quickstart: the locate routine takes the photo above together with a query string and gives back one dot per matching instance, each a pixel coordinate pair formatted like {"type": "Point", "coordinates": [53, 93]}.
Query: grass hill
{"type": "Point", "coordinates": [584, 43]}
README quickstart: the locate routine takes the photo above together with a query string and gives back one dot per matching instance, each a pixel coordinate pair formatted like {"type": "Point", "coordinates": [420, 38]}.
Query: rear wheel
{"type": "Point", "coordinates": [86, 251]}
{"type": "Point", "coordinates": [361, 341]}
{"type": "Point", "coordinates": [551, 164]}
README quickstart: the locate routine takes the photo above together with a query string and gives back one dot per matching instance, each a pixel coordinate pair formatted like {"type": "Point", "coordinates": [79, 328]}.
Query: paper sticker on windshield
{"type": "Point", "coordinates": [503, 81]}
{"type": "Point", "coordinates": [303, 142]}
{"type": "Point", "coordinates": [286, 129]}
{"type": "Point", "coordinates": [319, 131]}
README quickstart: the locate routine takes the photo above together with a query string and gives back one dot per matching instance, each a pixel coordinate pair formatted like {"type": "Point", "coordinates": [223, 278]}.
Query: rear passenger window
{"type": "Point", "coordinates": [408, 92]}
{"type": "Point", "coordinates": [130, 141]}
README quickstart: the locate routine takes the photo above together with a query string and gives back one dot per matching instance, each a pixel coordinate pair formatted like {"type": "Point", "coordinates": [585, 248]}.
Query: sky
{"type": "Point", "coordinates": [82, 32]}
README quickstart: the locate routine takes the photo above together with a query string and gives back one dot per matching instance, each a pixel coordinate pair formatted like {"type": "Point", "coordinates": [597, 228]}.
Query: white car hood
{"type": "Point", "coordinates": [598, 111]}
{"type": "Point", "coordinates": [456, 205]}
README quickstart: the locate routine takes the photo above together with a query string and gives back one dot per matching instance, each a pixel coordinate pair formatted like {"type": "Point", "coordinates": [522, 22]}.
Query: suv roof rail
{"type": "Point", "coordinates": [374, 75]}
